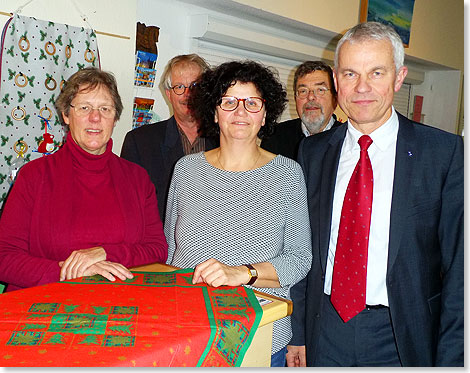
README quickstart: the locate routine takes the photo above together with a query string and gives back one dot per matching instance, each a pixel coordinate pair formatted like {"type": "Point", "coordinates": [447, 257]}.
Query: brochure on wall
{"type": "Point", "coordinates": [142, 113]}
{"type": "Point", "coordinates": [145, 69]}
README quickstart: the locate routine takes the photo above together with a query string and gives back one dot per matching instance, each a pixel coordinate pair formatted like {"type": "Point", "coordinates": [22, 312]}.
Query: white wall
{"type": "Point", "coordinates": [116, 54]}
{"type": "Point", "coordinates": [440, 90]}
{"type": "Point", "coordinates": [441, 103]}
{"type": "Point", "coordinates": [173, 18]}
{"type": "Point", "coordinates": [437, 30]}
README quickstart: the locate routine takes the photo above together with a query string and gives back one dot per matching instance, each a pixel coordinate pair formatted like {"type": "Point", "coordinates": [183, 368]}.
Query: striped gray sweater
{"type": "Point", "coordinates": [241, 218]}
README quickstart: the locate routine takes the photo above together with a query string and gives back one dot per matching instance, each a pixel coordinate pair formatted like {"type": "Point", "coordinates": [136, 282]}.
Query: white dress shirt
{"type": "Point", "coordinates": [382, 156]}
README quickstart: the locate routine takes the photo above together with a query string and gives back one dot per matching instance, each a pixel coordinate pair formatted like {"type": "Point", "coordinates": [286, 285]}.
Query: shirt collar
{"type": "Point", "coordinates": [382, 137]}
{"type": "Point", "coordinates": [329, 124]}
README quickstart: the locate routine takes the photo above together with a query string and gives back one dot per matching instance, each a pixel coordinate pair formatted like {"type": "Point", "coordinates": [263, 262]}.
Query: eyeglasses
{"type": "Point", "coordinates": [251, 104]}
{"type": "Point", "coordinates": [304, 92]}
{"type": "Point", "coordinates": [106, 111]}
{"type": "Point", "coordinates": [179, 89]}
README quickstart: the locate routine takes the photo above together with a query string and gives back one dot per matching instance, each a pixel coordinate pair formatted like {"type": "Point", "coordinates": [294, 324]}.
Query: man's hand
{"type": "Point", "coordinates": [295, 356]}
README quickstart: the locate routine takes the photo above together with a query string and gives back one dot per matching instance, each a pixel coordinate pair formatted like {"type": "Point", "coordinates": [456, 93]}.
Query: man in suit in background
{"type": "Point", "coordinates": [387, 278]}
{"type": "Point", "coordinates": [315, 100]}
{"type": "Point", "coordinates": [158, 146]}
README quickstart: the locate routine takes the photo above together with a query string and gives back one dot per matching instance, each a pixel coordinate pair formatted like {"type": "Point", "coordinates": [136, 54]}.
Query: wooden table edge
{"type": "Point", "coordinates": [271, 311]}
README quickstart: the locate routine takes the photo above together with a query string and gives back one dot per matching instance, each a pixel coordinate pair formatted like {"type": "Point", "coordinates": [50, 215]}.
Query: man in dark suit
{"type": "Point", "coordinates": [158, 146]}
{"type": "Point", "coordinates": [315, 100]}
{"type": "Point", "coordinates": [409, 310]}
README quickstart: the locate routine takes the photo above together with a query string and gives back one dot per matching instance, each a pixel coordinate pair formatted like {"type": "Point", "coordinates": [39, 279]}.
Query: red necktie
{"type": "Point", "coordinates": [348, 289]}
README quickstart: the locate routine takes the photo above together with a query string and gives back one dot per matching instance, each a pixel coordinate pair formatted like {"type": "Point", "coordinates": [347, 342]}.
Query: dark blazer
{"type": "Point", "coordinates": [286, 138]}
{"type": "Point", "coordinates": [425, 270]}
{"type": "Point", "coordinates": [157, 147]}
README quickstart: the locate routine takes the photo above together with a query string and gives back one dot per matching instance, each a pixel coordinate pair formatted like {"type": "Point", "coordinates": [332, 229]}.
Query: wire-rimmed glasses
{"type": "Point", "coordinates": [179, 89]}
{"type": "Point", "coordinates": [106, 111]}
{"type": "Point", "coordinates": [303, 92]}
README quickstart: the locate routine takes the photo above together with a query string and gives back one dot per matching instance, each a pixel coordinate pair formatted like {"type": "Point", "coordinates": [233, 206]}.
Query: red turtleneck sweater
{"type": "Point", "coordinates": [74, 200]}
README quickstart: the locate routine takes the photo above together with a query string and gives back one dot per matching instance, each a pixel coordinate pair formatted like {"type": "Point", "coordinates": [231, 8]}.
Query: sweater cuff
{"type": "Point", "coordinates": [51, 275]}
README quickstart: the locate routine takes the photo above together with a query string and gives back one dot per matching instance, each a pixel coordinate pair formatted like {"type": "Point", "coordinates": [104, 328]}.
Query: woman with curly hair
{"type": "Point", "coordinates": [238, 213]}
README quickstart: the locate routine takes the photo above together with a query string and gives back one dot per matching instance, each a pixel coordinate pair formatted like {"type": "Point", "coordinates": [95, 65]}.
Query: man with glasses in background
{"type": "Point", "coordinates": [157, 147]}
{"type": "Point", "coordinates": [315, 99]}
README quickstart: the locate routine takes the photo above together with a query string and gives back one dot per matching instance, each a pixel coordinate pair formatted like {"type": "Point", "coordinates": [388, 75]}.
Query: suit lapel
{"type": "Point", "coordinates": [337, 124]}
{"type": "Point", "coordinates": [172, 148]}
{"type": "Point", "coordinates": [405, 163]}
{"type": "Point", "coordinates": [298, 133]}
{"type": "Point", "coordinates": [327, 188]}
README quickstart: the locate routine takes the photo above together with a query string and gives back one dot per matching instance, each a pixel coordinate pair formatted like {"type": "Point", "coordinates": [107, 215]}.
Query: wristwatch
{"type": "Point", "coordinates": [253, 274]}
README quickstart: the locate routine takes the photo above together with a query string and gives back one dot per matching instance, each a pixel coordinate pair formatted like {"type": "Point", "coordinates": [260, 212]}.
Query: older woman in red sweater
{"type": "Point", "coordinates": [82, 210]}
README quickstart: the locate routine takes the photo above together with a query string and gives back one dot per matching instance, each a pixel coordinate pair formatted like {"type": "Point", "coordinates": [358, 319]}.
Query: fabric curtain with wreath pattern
{"type": "Point", "coordinates": [37, 57]}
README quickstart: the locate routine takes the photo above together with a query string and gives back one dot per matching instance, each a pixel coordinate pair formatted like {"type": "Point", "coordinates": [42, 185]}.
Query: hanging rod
{"type": "Point", "coordinates": [113, 35]}
{"type": "Point", "coordinates": [96, 31]}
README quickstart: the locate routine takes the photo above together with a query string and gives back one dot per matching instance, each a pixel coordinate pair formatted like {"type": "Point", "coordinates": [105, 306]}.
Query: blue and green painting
{"type": "Point", "coordinates": [396, 13]}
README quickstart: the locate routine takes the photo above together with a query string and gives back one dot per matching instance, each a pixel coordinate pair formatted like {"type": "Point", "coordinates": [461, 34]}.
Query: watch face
{"type": "Point", "coordinates": [253, 272]}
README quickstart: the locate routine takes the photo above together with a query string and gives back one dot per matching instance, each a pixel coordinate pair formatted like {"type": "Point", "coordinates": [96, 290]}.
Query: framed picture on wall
{"type": "Point", "coordinates": [396, 13]}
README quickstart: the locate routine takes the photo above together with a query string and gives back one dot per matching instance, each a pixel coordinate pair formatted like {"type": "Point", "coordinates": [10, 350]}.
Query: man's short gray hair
{"type": "Point", "coordinates": [374, 31]}
{"type": "Point", "coordinates": [165, 80]}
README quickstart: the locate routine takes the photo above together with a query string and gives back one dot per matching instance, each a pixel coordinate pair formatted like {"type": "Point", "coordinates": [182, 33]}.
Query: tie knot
{"type": "Point", "coordinates": [364, 142]}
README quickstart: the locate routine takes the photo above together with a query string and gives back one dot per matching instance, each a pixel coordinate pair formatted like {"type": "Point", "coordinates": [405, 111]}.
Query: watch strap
{"type": "Point", "coordinates": [253, 274]}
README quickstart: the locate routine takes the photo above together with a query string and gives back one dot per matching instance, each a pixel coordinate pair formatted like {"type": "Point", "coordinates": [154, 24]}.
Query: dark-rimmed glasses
{"type": "Point", "coordinates": [179, 89]}
{"type": "Point", "coordinates": [106, 111]}
{"type": "Point", "coordinates": [251, 104]}
{"type": "Point", "coordinates": [303, 92]}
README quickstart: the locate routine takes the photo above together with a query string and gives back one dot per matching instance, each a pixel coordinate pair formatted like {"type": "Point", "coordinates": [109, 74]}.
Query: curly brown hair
{"type": "Point", "coordinates": [214, 83]}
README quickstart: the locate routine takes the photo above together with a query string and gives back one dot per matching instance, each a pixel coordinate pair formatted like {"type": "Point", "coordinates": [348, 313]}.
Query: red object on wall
{"type": "Point", "coordinates": [418, 107]}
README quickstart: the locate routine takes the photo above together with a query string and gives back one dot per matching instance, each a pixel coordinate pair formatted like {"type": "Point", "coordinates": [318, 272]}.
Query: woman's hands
{"type": "Point", "coordinates": [89, 262]}
{"type": "Point", "coordinates": [215, 273]}
{"type": "Point", "coordinates": [109, 270]}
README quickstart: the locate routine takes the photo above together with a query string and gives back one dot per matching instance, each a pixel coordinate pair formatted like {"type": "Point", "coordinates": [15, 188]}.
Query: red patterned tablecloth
{"type": "Point", "coordinates": [155, 319]}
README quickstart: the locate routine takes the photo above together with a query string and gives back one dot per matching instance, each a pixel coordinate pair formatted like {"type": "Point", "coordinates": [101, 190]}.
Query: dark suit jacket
{"type": "Point", "coordinates": [157, 147]}
{"type": "Point", "coordinates": [425, 270]}
{"type": "Point", "coordinates": [286, 138]}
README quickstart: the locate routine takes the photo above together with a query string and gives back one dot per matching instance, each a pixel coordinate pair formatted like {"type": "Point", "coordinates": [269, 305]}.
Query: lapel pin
{"type": "Point", "coordinates": [410, 153]}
